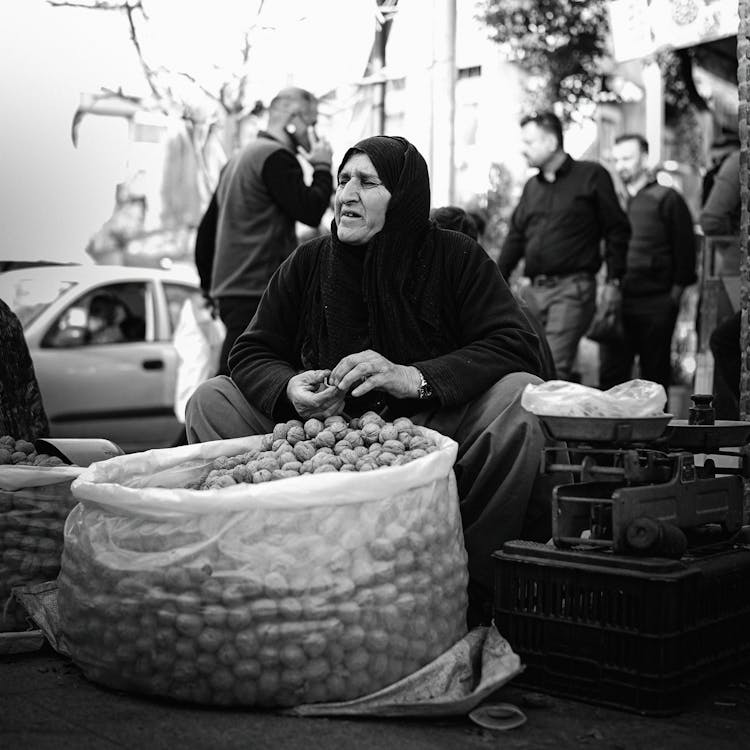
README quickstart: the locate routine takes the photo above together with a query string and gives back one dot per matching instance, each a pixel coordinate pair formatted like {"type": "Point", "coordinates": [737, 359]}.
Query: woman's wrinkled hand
{"type": "Point", "coordinates": [367, 371]}
{"type": "Point", "coordinates": [311, 395]}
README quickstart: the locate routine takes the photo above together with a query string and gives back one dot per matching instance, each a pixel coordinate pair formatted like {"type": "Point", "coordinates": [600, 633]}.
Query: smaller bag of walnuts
{"type": "Point", "coordinates": [34, 502]}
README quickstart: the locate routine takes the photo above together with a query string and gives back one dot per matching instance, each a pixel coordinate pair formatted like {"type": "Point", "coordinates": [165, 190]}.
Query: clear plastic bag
{"type": "Point", "coordinates": [323, 587]}
{"type": "Point", "coordinates": [559, 398]}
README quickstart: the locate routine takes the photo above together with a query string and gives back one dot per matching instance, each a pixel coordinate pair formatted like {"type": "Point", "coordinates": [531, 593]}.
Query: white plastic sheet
{"type": "Point", "coordinates": [198, 338]}
{"type": "Point", "coordinates": [559, 398]}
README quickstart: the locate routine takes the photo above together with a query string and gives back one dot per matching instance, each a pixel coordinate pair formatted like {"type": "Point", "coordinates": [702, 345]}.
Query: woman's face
{"type": "Point", "coordinates": [361, 201]}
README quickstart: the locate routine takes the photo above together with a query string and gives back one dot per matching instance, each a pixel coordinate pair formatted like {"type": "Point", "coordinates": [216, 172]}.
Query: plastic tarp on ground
{"type": "Point", "coordinates": [454, 684]}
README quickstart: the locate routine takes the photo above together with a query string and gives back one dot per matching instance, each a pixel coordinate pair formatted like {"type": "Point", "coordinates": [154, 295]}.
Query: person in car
{"type": "Point", "coordinates": [391, 313]}
{"type": "Point", "coordinates": [106, 317]}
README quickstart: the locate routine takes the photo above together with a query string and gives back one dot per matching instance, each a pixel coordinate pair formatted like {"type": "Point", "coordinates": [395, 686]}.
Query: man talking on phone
{"type": "Point", "coordinates": [260, 195]}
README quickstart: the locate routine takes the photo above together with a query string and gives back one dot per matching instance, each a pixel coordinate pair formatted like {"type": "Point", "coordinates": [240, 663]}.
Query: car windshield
{"type": "Point", "coordinates": [30, 296]}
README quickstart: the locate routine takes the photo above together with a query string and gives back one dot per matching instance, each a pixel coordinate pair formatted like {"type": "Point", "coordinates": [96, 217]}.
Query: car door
{"type": "Point", "coordinates": [104, 372]}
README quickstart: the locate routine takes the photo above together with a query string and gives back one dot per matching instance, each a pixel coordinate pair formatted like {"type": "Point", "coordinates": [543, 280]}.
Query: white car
{"type": "Point", "coordinates": [100, 338]}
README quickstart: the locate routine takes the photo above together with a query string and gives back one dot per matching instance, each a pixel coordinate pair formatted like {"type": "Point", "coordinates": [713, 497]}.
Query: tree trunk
{"type": "Point", "coordinates": [743, 77]}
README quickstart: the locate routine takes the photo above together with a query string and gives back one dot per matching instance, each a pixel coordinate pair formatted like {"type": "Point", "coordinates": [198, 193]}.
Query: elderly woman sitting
{"type": "Point", "coordinates": [392, 314]}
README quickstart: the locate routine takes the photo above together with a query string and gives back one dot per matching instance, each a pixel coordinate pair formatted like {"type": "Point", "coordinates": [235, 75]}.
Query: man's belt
{"type": "Point", "coordinates": [544, 279]}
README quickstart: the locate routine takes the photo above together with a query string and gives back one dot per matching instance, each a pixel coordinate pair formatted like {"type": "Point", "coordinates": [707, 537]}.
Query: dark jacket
{"type": "Point", "coordinates": [485, 336]}
{"type": "Point", "coordinates": [721, 212]}
{"type": "Point", "coordinates": [557, 226]}
{"type": "Point", "coordinates": [661, 252]}
{"type": "Point", "coordinates": [205, 244]}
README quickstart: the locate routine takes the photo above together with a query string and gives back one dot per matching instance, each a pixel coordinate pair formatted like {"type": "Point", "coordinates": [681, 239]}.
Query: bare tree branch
{"type": "Point", "coordinates": [119, 94]}
{"type": "Point", "coordinates": [147, 70]}
{"type": "Point", "coordinates": [164, 85]}
{"type": "Point", "coordinates": [100, 5]}
{"type": "Point", "coordinates": [224, 98]}
{"type": "Point", "coordinates": [197, 83]}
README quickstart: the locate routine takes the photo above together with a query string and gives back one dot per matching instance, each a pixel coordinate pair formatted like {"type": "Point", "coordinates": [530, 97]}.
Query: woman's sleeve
{"type": "Point", "coordinates": [496, 338]}
{"type": "Point", "coordinates": [263, 358]}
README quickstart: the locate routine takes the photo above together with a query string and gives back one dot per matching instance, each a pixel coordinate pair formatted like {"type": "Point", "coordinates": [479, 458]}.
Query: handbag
{"type": "Point", "coordinates": [607, 327]}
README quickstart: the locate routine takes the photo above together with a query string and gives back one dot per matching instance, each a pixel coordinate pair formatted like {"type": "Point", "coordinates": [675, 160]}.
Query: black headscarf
{"type": "Point", "coordinates": [399, 284]}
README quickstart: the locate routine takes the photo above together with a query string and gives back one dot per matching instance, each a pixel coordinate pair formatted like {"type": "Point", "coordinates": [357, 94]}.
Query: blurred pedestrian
{"type": "Point", "coordinates": [22, 412]}
{"type": "Point", "coordinates": [722, 148]}
{"type": "Point", "coordinates": [565, 210]}
{"type": "Point", "coordinates": [724, 343]}
{"type": "Point", "coordinates": [720, 217]}
{"type": "Point", "coordinates": [659, 264]}
{"type": "Point", "coordinates": [260, 195]}
{"type": "Point", "coordinates": [455, 219]}
{"type": "Point", "coordinates": [205, 247]}
{"type": "Point", "coordinates": [720, 214]}
{"type": "Point", "coordinates": [458, 220]}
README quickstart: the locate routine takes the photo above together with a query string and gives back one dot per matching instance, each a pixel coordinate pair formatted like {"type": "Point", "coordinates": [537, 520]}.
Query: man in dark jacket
{"type": "Point", "coordinates": [720, 220]}
{"type": "Point", "coordinates": [260, 196]}
{"type": "Point", "coordinates": [565, 210]}
{"type": "Point", "coordinates": [660, 263]}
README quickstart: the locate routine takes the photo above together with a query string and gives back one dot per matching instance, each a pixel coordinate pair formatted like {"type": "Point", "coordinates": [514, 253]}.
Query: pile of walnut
{"type": "Point", "coordinates": [14, 451]}
{"type": "Point", "coordinates": [295, 448]}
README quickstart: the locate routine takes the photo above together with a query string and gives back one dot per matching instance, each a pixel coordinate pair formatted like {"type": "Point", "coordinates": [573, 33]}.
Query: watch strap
{"type": "Point", "coordinates": [424, 390]}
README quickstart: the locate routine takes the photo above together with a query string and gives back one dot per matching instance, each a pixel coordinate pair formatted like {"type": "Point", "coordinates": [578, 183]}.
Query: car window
{"type": "Point", "coordinates": [109, 314]}
{"type": "Point", "coordinates": [176, 295]}
{"type": "Point", "coordinates": [29, 296]}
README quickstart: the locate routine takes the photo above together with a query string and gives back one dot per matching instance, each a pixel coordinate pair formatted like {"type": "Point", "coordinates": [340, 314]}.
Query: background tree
{"type": "Point", "coordinates": [207, 106]}
{"type": "Point", "coordinates": [561, 44]}
{"type": "Point", "coordinates": [211, 106]}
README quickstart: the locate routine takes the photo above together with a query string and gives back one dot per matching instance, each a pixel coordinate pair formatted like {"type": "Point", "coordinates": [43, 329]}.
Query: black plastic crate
{"type": "Point", "coordinates": [636, 634]}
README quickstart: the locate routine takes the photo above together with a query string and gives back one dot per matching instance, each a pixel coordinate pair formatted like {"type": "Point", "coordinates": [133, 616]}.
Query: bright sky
{"type": "Point", "coordinates": [54, 196]}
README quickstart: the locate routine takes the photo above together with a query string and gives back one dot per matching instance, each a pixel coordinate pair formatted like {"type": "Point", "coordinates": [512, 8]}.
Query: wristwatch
{"type": "Point", "coordinates": [424, 389]}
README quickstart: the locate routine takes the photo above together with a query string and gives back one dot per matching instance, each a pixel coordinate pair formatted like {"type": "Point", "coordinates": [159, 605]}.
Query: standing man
{"type": "Point", "coordinates": [659, 264]}
{"type": "Point", "coordinates": [564, 212]}
{"type": "Point", "coordinates": [260, 196]}
{"type": "Point", "coordinates": [720, 217]}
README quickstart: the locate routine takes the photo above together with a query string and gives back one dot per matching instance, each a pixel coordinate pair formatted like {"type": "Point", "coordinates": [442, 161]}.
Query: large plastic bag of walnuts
{"type": "Point", "coordinates": [34, 503]}
{"type": "Point", "coordinates": [320, 587]}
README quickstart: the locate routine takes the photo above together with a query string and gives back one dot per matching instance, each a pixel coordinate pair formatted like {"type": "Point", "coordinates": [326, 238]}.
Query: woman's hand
{"type": "Point", "coordinates": [311, 395]}
{"type": "Point", "coordinates": [366, 371]}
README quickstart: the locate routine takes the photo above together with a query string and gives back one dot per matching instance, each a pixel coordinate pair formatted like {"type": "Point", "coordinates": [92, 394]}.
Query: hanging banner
{"type": "Point", "coordinates": [641, 27]}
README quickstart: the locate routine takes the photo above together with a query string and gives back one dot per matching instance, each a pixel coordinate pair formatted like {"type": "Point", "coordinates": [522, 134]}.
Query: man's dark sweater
{"type": "Point", "coordinates": [661, 253]}
{"type": "Point", "coordinates": [557, 225]}
{"type": "Point", "coordinates": [261, 194]}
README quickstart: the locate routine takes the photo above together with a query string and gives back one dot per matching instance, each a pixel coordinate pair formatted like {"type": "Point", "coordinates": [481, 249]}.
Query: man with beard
{"type": "Point", "coordinates": [660, 263]}
{"type": "Point", "coordinates": [565, 210]}
{"type": "Point", "coordinates": [260, 196]}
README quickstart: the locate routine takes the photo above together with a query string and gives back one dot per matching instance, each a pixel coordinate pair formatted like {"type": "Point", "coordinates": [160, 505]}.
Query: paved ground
{"type": "Point", "coordinates": [45, 702]}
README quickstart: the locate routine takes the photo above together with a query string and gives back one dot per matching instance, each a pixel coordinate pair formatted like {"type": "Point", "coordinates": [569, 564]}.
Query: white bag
{"type": "Point", "coordinates": [559, 398]}
{"type": "Point", "coordinates": [321, 587]}
{"type": "Point", "coordinates": [198, 338]}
